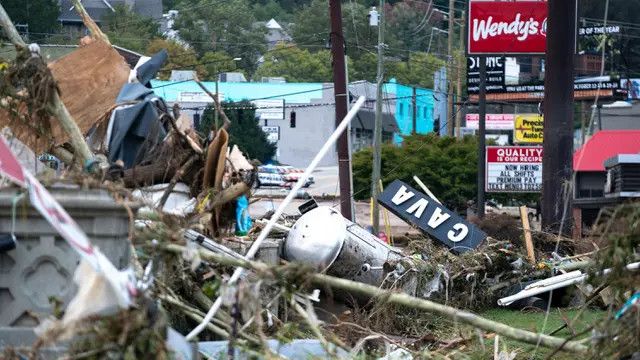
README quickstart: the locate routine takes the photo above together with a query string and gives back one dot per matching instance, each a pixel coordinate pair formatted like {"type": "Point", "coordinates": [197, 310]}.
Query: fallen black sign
{"type": "Point", "coordinates": [431, 217]}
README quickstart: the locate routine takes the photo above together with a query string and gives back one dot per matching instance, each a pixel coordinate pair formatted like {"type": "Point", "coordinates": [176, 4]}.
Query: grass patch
{"type": "Point", "coordinates": [533, 321]}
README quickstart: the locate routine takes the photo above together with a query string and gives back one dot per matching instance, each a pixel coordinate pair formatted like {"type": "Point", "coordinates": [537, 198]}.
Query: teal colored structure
{"type": "Point", "coordinates": [404, 108]}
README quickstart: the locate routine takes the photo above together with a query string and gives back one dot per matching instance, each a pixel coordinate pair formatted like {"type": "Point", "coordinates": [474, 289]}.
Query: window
{"type": "Point", "coordinates": [424, 110]}
{"type": "Point", "coordinates": [401, 109]}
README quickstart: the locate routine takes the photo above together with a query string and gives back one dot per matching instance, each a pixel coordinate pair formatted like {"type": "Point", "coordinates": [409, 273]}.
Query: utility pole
{"type": "Point", "coordinates": [482, 112]}
{"type": "Point", "coordinates": [557, 158]}
{"type": "Point", "coordinates": [377, 132]}
{"type": "Point", "coordinates": [340, 97]}
{"type": "Point", "coordinates": [463, 22]}
{"type": "Point", "coordinates": [452, 14]}
{"type": "Point", "coordinates": [414, 102]}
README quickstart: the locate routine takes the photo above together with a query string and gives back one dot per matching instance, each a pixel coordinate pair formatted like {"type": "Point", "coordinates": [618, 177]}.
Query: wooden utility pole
{"type": "Point", "coordinates": [460, 64]}
{"type": "Point", "coordinates": [377, 132]}
{"type": "Point", "coordinates": [341, 96]}
{"type": "Point", "coordinates": [450, 119]}
{"type": "Point", "coordinates": [557, 159]}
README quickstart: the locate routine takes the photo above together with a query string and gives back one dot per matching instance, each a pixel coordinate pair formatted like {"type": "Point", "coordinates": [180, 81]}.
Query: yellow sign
{"type": "Point", "coordinates": [528, 128]}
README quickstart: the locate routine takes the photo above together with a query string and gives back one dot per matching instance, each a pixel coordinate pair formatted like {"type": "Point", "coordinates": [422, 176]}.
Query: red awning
{"type": "Point", "coordinates": [603, 145]}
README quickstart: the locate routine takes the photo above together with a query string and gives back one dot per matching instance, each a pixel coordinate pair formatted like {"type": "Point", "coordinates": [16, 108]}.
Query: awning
{"type": "Point", "coordinates": [365, 119]}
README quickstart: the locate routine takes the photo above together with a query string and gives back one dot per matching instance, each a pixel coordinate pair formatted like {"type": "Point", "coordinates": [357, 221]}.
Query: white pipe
{"type": "Point", "coordinates": [276, 215]}
{"type": "Point", "coordinates": [553, 283]}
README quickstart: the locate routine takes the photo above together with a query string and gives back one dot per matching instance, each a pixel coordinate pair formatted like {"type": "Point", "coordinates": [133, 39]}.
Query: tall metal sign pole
{"type": "Point", "coordinates": [451, 59]}
{"type": "Point", "coordinates": [482, 112]}
{"type": "Point", "coordinates": [557, 158]}
{"type": "Point", "coordinates": [340, 93]}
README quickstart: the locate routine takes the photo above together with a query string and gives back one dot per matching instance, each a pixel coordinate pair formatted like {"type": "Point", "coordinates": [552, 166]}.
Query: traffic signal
{"type": "Point", "coordinates": [292, 119]}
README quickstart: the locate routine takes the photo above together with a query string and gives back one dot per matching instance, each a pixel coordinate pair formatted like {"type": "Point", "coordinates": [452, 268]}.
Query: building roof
{"type": "Point", "coordinates": [97, 9]}
{"type": "Point", "coordinates": [604, 145]}
{"type": "Point", "coordinates": [52, 52]}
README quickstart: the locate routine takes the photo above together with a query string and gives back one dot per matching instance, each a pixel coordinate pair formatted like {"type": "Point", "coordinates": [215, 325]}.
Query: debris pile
{"type": "Point", "coordinates": [205, 278]}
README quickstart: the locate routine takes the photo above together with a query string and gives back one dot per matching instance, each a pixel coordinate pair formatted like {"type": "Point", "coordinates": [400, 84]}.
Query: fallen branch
{"type": "Point", "coordinates": [229, 194]}
{"type": "Point", "coordinates": [56, 107]}
{"type": "Point", "coordinates": [216, 103]}
{"type": "Point", "coordinates": [174, 180]}
{"type": "Point", "coordinates": [404, 300]}
{"type": "Point", "coordinates": [89, 23]}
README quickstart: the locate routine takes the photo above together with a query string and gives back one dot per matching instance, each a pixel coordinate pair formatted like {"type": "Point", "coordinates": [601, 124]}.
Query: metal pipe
{"type": "Point", "coordinates": [553, 283]}
{"type": "Point", "coordinates": [276, 215]}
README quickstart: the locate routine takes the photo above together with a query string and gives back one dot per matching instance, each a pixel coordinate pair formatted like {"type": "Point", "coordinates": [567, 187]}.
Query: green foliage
{"type": "Point", "coordinates": [244, 131]}
{"type": "Point", "coordinates": [448, 167]}
{"type": "Point", "coordinates": [127, 29]}
{"type": "Point", "coordinates": [228, 25]}
{"type": "Point", "coordinates": [40, 15]}
{"type": "Point", "coordinates": [270, 9]}
{"type": "Point", "coordinates": [179, 58]}
{"type": "Point", "coordinates": [215, 62]}
{"type": "Point", "coordinates": [296, 65]}
{"type": "Point", "coordinates": [418, 70]}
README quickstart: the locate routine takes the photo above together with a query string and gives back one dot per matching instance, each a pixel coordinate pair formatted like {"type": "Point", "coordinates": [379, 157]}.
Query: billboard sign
{"type": "Point", "coordinates": [495, 74]}
{"type": "Point", "coordinates": [529, 129]}
{"type": "Point", "coordinates": [273, 133]}
{"type": "Point", "coordinates": [514, 169]}
{"type": "Point", "coordinates": [492, 121]}
{"type": "Point", "coordinates": [269, 109]}
{"type": "Point", "coordinates": [507, 27]}
{"type": "Point", "coordinates": [431, 217]}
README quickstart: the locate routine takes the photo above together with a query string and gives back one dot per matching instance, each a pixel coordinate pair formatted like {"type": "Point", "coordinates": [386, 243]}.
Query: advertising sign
{"type": "Point", "coordinates": [197, 96]}
{"type": "Point", "coordinates": [491, 122]}
{"type": "Point", "coordinates": [598, 30]}
{"type": "Point", "coordinates": [273, 133]}
{"type": "Point", "coordinates": [431, 217]}
{"type": "Point", "coordinates": [269, 109]}
{"type": "Point", "coordinates": [529, 129]}
{"type": "Point", "coordinates": [514, 169]}
{"type": "Point", "coordinates": [507, 27]}
{"type": "Point", "coordinates": [495, 74]}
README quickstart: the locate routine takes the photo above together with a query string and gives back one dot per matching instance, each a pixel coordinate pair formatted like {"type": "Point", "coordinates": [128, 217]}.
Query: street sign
{"type": "Point", "coordinates": [514, 169]}
{"type": "Point", "coordinates": [273, 133]}
{"type": "Point", "coordinates": [269, 109]}
{"type": "Point", "coordinates": [492, 121]}
{"type": "Point", "coordinates": [495, 74]}
{"type": "Point", "coordinates": [529, 129]}
{"type": "Point", "coordinates": [431, 217]}
{"type": "Point", "coordinates": [507, 27]}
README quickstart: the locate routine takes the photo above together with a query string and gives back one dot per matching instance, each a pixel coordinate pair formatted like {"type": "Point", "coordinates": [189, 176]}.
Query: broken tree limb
{"type": "Point", "coordinates": [174, 180]}
{"type": "Point", "coordinates": [404, 300]}
{"type": "Point", "coordinates": [229, 194]}
{"type": "Point", "coordinates": [89, 23]}
{"type": "Point", "coordinates": [216, 103]}
{"type": "Point", "coordinates": [528, 241]}
{"type": "Point", "coordinates": [56, 107]}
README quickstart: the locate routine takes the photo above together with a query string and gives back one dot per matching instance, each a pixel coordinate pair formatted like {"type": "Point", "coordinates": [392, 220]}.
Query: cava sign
{"type": "Point", "coordinates": [431, 217]}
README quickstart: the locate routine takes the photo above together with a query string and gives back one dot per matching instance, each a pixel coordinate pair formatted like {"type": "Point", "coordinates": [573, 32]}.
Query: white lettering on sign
{"type": "Point", "coordinates": [402, 195]}
{"type": "Point", "coordinates": [483, 29]}
{"type": "Point", "coordinates": [437, 218]}
{"type": "Point", "coordinates": [418, 207]}
{"type": "Point", "coordinates": [462, 231]}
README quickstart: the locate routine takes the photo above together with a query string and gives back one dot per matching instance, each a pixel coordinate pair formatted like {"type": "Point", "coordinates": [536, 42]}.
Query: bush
{"type": "Point", "coordinates": [448, 167]}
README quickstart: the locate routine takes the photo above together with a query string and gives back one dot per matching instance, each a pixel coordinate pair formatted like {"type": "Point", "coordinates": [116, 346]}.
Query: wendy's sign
{"type": "Point", "coordinates": [431, 217]}
{"type": "Point", "coordinates": [507, 27]}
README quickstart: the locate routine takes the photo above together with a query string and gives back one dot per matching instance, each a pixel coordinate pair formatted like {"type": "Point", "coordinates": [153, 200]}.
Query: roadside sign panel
{"type": "Point", "coordinates": [431, 217]}
{"type": "Point", "coordinates": [273, 133]}
{"type": "Point", "coordinates": [529, 129]}
{"type": "Point", "coordinates": [492, 121]}
{"type": "Point", "coordinates": [269, 109]}
{"type": "Point", "coordinates": [507, 27]}
{"type": "Point", "coordinates": [495, 80]}
{"type": "Point", "coordinates": [514, 169]}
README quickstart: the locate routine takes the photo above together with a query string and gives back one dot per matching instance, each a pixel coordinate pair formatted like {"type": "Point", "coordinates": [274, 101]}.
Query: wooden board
{"type": "Point", "coordinates": [90, 79]}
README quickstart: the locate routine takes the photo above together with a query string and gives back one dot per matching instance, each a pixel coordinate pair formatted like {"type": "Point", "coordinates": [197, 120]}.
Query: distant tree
{"type": "Point", "coordinates": [40, 15]}
{"type": "Point", "coordinates": [180, 58]}
{"type": "Point", "coordinates": [296, 65]}
{"type": "Point", "coordinates": [215, 62]}
{"type": "Point", "coordinates": [270, 9]}
{"type": "Point", "coordinates": [127, 29]}
{"type": "Point", "coordinates": [412, 23]}
{"type": "Point", "coordinates": [227, 25]}
{"type": "Point", "coordinates": [417, 70]}
{"type": "Point", "coordinates": [244, 130]}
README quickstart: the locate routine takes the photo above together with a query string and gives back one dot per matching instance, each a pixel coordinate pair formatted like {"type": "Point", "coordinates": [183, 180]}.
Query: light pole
{"type": "Point", "coordinates": [216, 118]}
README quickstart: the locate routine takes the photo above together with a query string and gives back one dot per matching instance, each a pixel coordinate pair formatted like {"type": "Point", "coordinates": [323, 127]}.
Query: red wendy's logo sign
{"type": "Point", "coordinates": [507, 27]}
